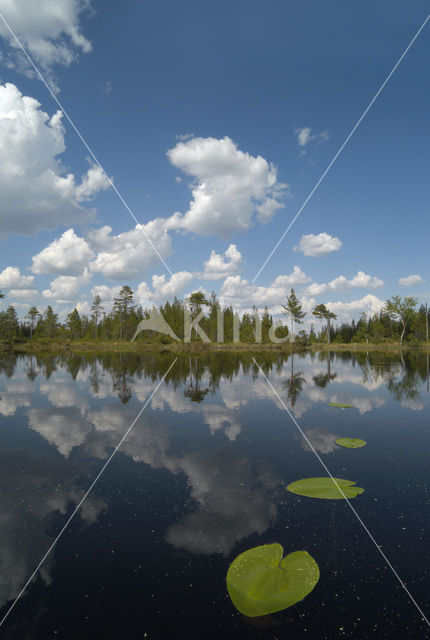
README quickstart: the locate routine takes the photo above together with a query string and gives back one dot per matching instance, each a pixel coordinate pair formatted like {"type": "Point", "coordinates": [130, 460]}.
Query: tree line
{"type": "Point", "coordinates": [398, 321]}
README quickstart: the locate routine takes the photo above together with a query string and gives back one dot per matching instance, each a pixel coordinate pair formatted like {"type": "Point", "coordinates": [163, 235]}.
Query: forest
{"type": "Point", "coordinates": [399, 321]}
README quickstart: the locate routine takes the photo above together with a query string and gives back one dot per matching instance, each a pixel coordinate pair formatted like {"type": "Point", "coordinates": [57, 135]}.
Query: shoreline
{"type": "Point", "coordinates": [194, 347]}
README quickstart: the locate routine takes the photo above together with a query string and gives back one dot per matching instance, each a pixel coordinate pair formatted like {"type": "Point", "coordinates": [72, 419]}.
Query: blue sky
{"type": "Point", "coordinates": [214, 121]}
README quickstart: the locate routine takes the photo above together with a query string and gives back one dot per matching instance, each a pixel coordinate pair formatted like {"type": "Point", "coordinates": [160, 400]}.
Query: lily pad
{"type": "Point", "coordinates": [325, 488]}
{"type": "Point", "coordinates": [260, 581]}
{"type": "Point", "coordinates": [340, 405]}
{"type": "Point", "coordinates": [350, 443]}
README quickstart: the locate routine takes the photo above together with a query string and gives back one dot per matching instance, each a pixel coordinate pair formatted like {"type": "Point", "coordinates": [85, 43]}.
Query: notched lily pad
{"type": "Point", "coordinates": [325, 488]}
{"type": "Point", "coordinates": [340, 405]}
{"type": "Point", "coordinates": [260, 581]}
{"type": "Point", "coordinates": [351, 443]}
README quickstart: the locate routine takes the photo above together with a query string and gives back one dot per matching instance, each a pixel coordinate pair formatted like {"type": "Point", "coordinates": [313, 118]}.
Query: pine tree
{"type": "Point", "coordinates": [266, 323]}
{"type": "Point", "coordinates": [321, 311]}
{"type": "Point", "coordinates": [9, 325]}
{"type": "Point", "coordinates": [96, 309]}
{"type": "Point", "coordinates": [122, 307]}
{"type": "Point", "coordinates": [293, 309]}
{"type": "Point", "coordinates": [32, 314]}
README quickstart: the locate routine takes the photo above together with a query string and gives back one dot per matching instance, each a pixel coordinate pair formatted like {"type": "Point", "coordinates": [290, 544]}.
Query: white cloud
{"type": "Point", "coordinates": [369, 304]}
{"type": "Point", "coordinates": [318, 245]}
{"type": "Point", "coordinates": [35, 192]}
{"type": "Point", "coordinates": [364, 280]}
{"type": "Point", "coordinates": [83, 307]}
{"type": "Point", "coordinates": [341, 283]}
{"type": "Point", "coordinates": [25, 294]}
{"type": "Point", "coordinates": [184, 136]}
{"type": "Point", "coordinates": [229, 187]}
{"type": "Point", "coordinates": [219, 266]}
{"type": "Point", "coordinates": [242, 295]}
{"type": "Point", "coordinates": [67, 255]}
{"type": "Point", "coordinates": [410, 281]}
{"type": "Point", "coordinates": [316, 289]}
{"type": "Point", "coordinates": [163, 290]}
{"type": "Point", "coordinates": [305, 135]}
{"type": "Point", "coordinates": [50, 31]}
{"type": "Point", "coordinates": [92, 182]}
{"type": "Point", "coordinates": [107, 294]}
{"type": "Point", "coordinates": [11, 278]}
{"type": "Point", "coordinates": [129, 254]}
{"type": "Point", "coordinates": [66, 288]}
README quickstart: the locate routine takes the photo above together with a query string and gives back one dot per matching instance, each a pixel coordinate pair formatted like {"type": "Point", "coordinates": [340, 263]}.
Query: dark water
{"type": "Point", "coordinates": [200, 478]}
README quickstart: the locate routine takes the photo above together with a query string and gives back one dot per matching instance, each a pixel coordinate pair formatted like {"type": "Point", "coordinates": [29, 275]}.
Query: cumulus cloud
{"type": "Point", "coordinates": [316, 289]}
{"type": "Point", "coordinates": [49, 31]}
{"type": "Point", "coordinates": [318, 245]}
{"type": "Point", "coordinates": [219, 266]}
{"type": "Point", "coordinates": [66, 288]}
{"type": "Point", "coordinates": [364, 280]}
{"type": "Point", "coordinates": [36, 192]}
{"type": "Point", "coordinates": [410, 281]}
{"type": "Point", "coordinates": [341, 283]}
{"type": "Point", "coordinates": [163, 290]}
{"type": "Point", "coordinates": [11, 278]}
{"type": "Point", "coordinates": [129, 254]}
{"type": "Point", "coordinates": [229, 187]}
{"type": "Point", "coordinates": [242, 295]}
{"type": "Point", "coordinates": [25, 294]}
{"type": "Point", "coordinates": [67, 255]}
{"type": "Point", "coordinates": [107, 294]}
{"type": "Point", "coordinates": [369, 304]}
{"type": "Point", "coordinates": [305, 136]}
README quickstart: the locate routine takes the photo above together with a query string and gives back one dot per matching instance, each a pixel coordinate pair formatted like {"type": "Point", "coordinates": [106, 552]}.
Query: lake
{"type": "Point", "coordinates": [202, 477]}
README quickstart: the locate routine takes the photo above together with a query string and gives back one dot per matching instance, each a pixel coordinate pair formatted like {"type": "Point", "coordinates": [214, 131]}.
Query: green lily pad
{"type": "Point", "coordinates": [340, 405]}
{"type": "Point", "coordinates": [325, 488]}
{"type": "Point", "coordinates": [260, 581]}
{"type": "Point", "coordinates": [350, 443]}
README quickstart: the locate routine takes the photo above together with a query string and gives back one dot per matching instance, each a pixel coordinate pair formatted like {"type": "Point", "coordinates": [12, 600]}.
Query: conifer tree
{"type": "Point", "coordinates": [122, 307]}
{"type": "Point", "coordinates": [96, 309]}
{"type": "Point", "coordinates": [321, 311]}
{"type": "Point", "coordinates": [293, 309]}
{"type": "Point", "coordinates": [74, 324]}
{"type": "Point", "coordinates": [32, 315]}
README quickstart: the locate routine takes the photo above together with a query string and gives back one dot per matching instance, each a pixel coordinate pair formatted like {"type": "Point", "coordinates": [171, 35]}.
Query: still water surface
{"type": "Point", "coordinates": [200, 478]}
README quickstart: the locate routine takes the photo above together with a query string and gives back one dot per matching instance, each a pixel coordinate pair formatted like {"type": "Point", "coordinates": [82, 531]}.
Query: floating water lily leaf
{"type": "Point", "coordinates": [260, 581]}
{"type": "Point", "coordinates": [325, 488]}
{"type": "Point", "coordinates": [350, 443]}
{"type": "Point", "coordinates": [340, 405]}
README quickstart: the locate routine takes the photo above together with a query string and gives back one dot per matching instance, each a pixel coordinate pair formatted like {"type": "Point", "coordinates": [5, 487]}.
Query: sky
{"type": "Point", "coordinates": [203, 128]}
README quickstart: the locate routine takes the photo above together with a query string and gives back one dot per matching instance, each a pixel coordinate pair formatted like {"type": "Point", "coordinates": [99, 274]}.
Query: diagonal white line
{"type": "Point", "coordinates": [39, 74]}
{"type": "Point", "coordinates": [355, 127]}
{"type": "Point", "coordinates": [348, 501]}
{"type": "Point", "coordinates": [85, 495]}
